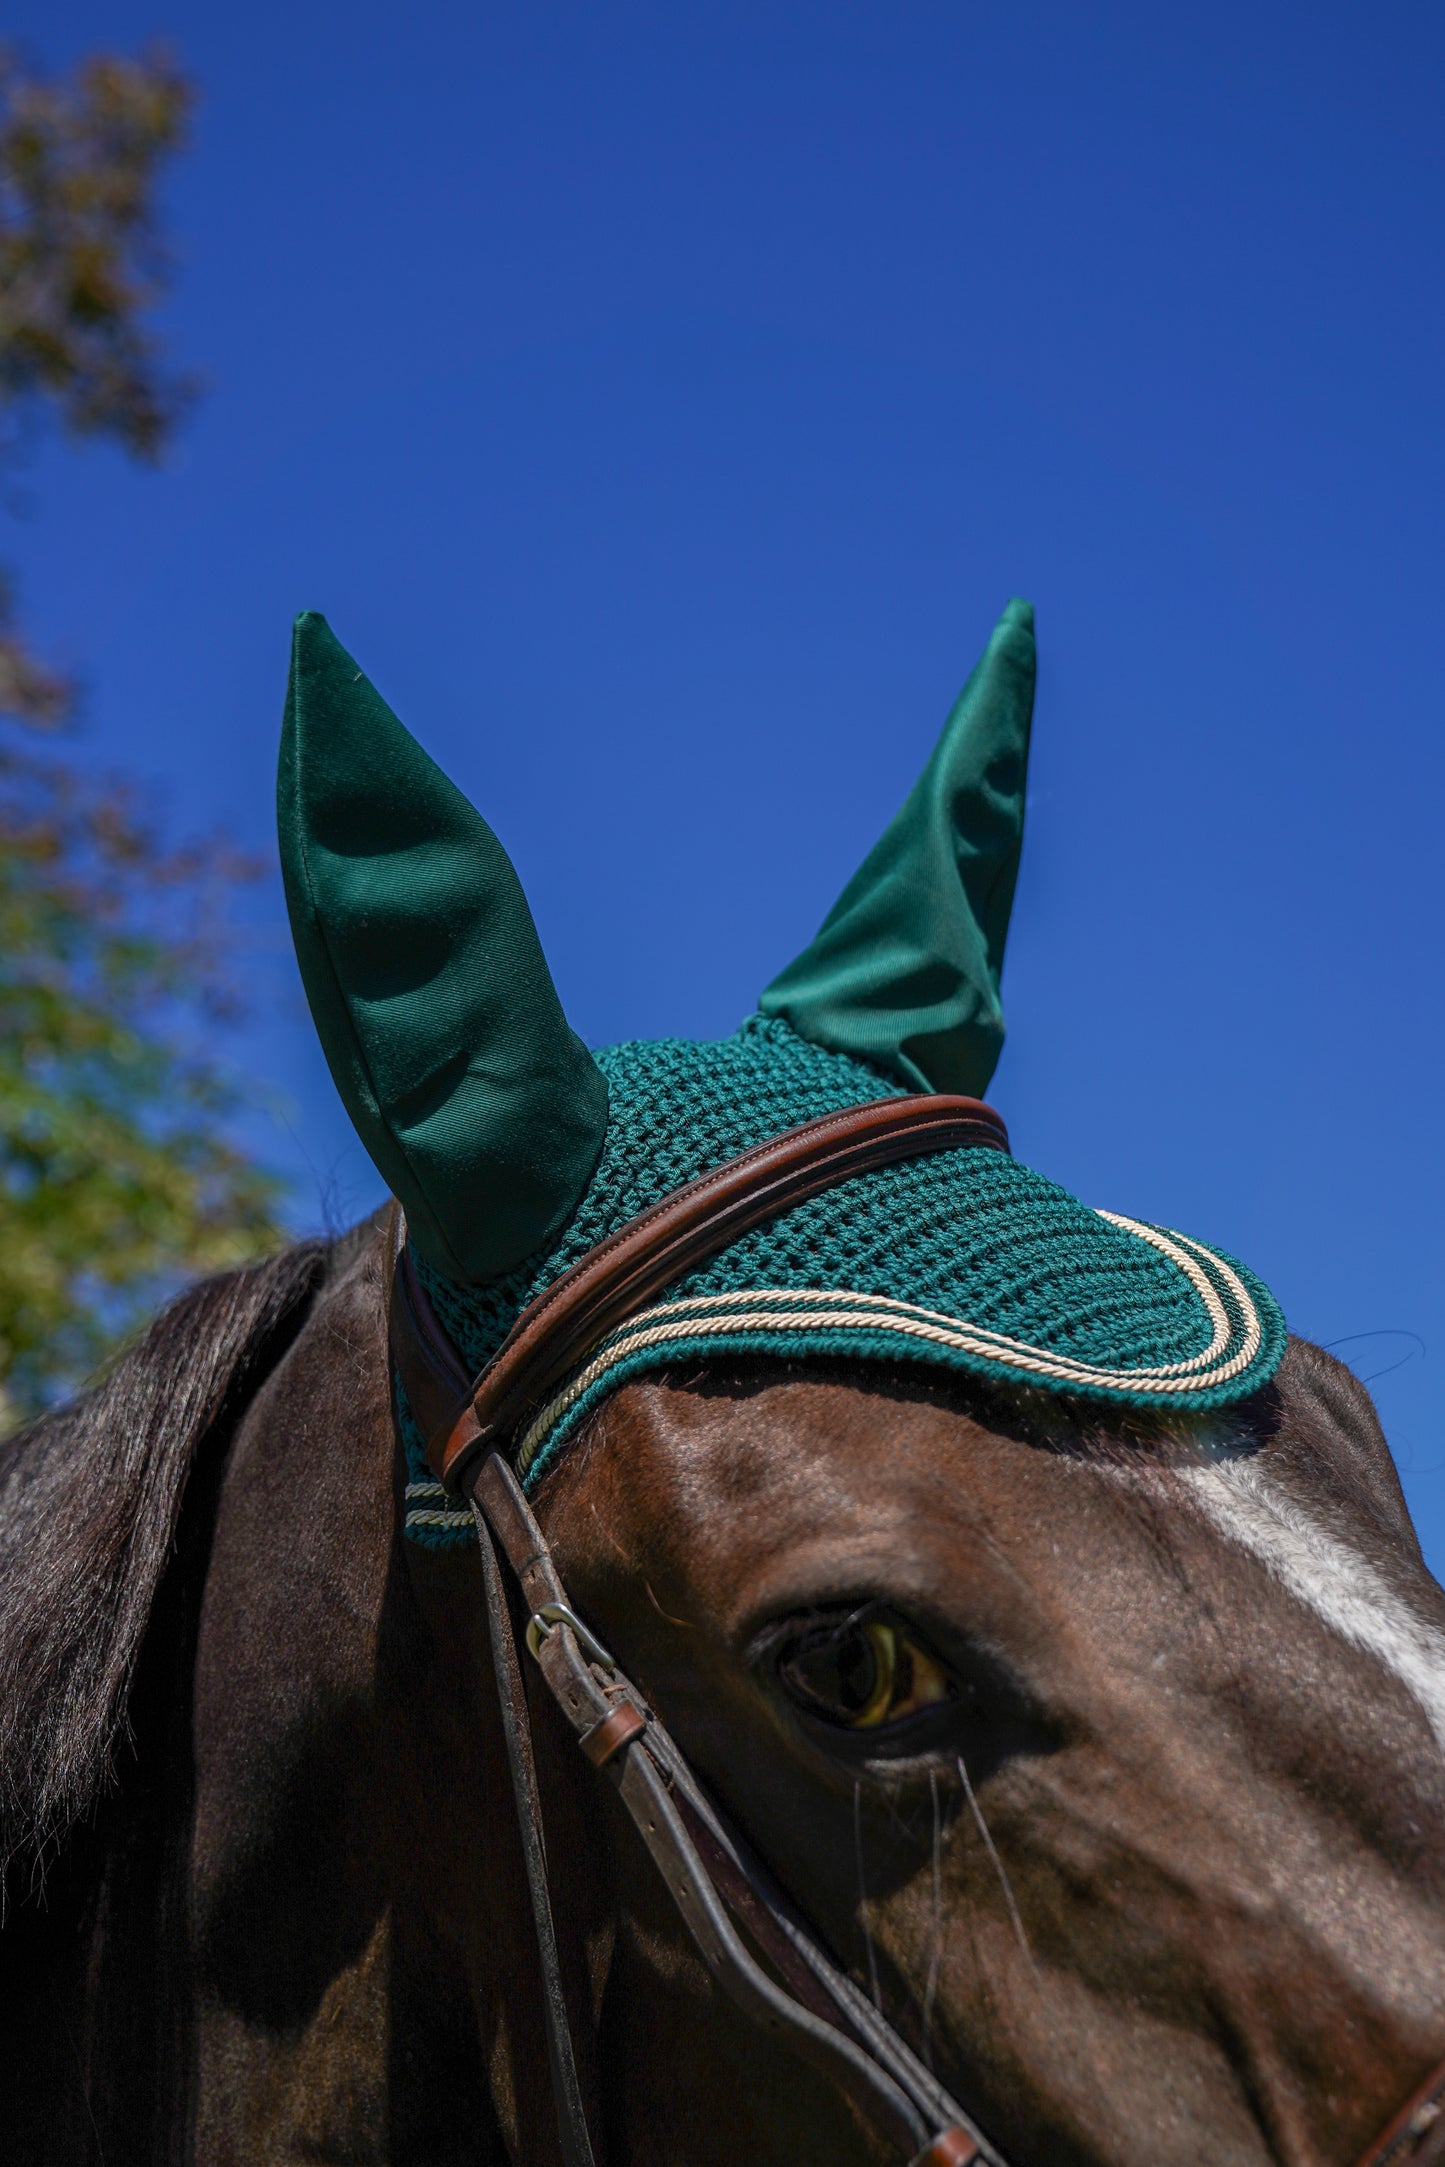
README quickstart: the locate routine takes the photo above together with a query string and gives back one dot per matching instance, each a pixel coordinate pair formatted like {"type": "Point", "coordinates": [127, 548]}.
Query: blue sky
{"type": "Point", "coordinates": [663, 402]}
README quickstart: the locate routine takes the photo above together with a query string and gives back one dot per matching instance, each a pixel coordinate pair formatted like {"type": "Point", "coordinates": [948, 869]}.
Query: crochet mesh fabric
{"type": "Point", "coordinates": [966, 1234]}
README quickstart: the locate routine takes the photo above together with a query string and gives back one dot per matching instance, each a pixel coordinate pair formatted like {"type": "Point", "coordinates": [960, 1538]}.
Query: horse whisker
{"type": "Point", "coordinates": [667, 1614]}
{"type": "Point", "coordinates": [930, 1991]}
{"type": "Point", "coordinates": [863, 1919]}
{"type": "Point", "coordinates": [998, 1866]}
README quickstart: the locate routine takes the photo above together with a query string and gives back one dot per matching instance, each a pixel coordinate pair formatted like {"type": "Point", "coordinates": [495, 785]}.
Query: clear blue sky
{"type": "Point", "coordinates": [662, 402]}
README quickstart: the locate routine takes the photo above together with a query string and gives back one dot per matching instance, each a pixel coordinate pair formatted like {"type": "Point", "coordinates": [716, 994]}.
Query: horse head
{"type": "Point", "coordinates": [1110, 1759]}
{"type": "Point", "coordinates": [1049, 1626]}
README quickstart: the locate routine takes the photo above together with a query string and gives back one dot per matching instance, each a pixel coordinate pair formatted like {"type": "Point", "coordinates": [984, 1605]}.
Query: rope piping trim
{"type": "Point", "coordinates": [427, 1505]}
{"type": "Point", "coordinates": [808, 1310]}
{"type": "Point", "coordinates": [1233, 1344]}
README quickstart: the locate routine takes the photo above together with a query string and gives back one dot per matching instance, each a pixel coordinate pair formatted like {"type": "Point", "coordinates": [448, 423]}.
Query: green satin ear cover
{"type": "Point", "coordinates": [481, 1109]}
{"type": "Point", "coordinates": [905, 971]}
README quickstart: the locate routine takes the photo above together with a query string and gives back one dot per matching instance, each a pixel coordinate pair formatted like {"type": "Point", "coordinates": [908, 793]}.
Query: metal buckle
{"type": "Point", "coordinates": [543, 1621]}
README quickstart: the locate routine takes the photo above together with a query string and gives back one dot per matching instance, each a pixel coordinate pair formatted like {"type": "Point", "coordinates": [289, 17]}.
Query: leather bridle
{"type": "Point", "coordinates": [757, 1948]}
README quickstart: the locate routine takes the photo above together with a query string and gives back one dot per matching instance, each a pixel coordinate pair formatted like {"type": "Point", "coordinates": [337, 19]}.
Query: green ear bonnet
{"type": "Point", "coordinates": [514, 1151]}
{"type": "Point", "coordinates": [426, 979]}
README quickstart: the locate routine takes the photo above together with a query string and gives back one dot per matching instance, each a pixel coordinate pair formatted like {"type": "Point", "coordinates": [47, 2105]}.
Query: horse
{"type": "Point", "coordinates": [1097, 1739]}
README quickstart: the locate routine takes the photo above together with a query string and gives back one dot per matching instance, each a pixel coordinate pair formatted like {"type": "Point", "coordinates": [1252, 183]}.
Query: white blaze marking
{"type": "Point", "coordinates": [1339, 1585]}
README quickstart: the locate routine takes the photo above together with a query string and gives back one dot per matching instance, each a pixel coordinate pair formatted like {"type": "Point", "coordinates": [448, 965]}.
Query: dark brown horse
{"type": "Point", "coordinates": [1176, 1895]}
{"type": "Point", "coordinates": [1085, 1698]}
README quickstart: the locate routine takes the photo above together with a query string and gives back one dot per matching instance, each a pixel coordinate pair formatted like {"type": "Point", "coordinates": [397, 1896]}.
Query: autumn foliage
{"type": "Point", "coordinates": [117, 1176]}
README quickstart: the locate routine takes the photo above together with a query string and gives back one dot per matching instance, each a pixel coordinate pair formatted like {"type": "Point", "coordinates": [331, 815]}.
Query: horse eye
{"type": "Point", "coordinates": [862, 1673]}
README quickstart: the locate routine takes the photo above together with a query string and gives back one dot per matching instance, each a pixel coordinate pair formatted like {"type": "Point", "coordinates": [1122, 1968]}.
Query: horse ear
{"type": "Point", "coordinates": [482, 1110]}
{"type": "Point", "coordinates": [905, 971]}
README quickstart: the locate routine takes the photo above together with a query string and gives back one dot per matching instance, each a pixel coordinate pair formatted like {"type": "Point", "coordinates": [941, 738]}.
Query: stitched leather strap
{"type": "Point", "coordinates": [622, 1274]}
{"type": "Point", "coordinates": [711, 1878]}
{"type": "Point", "coordinates": [572, 2127]}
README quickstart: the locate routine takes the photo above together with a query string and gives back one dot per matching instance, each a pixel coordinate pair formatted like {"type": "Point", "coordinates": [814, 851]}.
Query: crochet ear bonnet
{"type": "Point", "coordinates": [513, 1150]}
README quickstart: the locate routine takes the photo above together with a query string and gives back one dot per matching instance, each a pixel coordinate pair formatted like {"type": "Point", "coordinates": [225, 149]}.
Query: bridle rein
{"type": "Point", "coordinates": [758, 1949]}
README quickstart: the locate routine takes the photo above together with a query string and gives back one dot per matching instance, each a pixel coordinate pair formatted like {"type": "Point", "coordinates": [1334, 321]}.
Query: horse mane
{"type": "Point", "coordinates": [90, 1505]}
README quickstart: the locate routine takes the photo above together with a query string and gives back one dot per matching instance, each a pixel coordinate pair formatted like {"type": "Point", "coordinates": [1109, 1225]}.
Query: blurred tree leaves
{"type": "Point", "coordinates": [116, 1176]}
{"type": "Point", "coordinates": [81, 261]}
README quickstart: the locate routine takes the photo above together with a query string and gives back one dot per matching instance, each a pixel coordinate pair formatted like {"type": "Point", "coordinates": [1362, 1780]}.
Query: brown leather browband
{"type": "Point", "coordinates": [622, 1274]}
